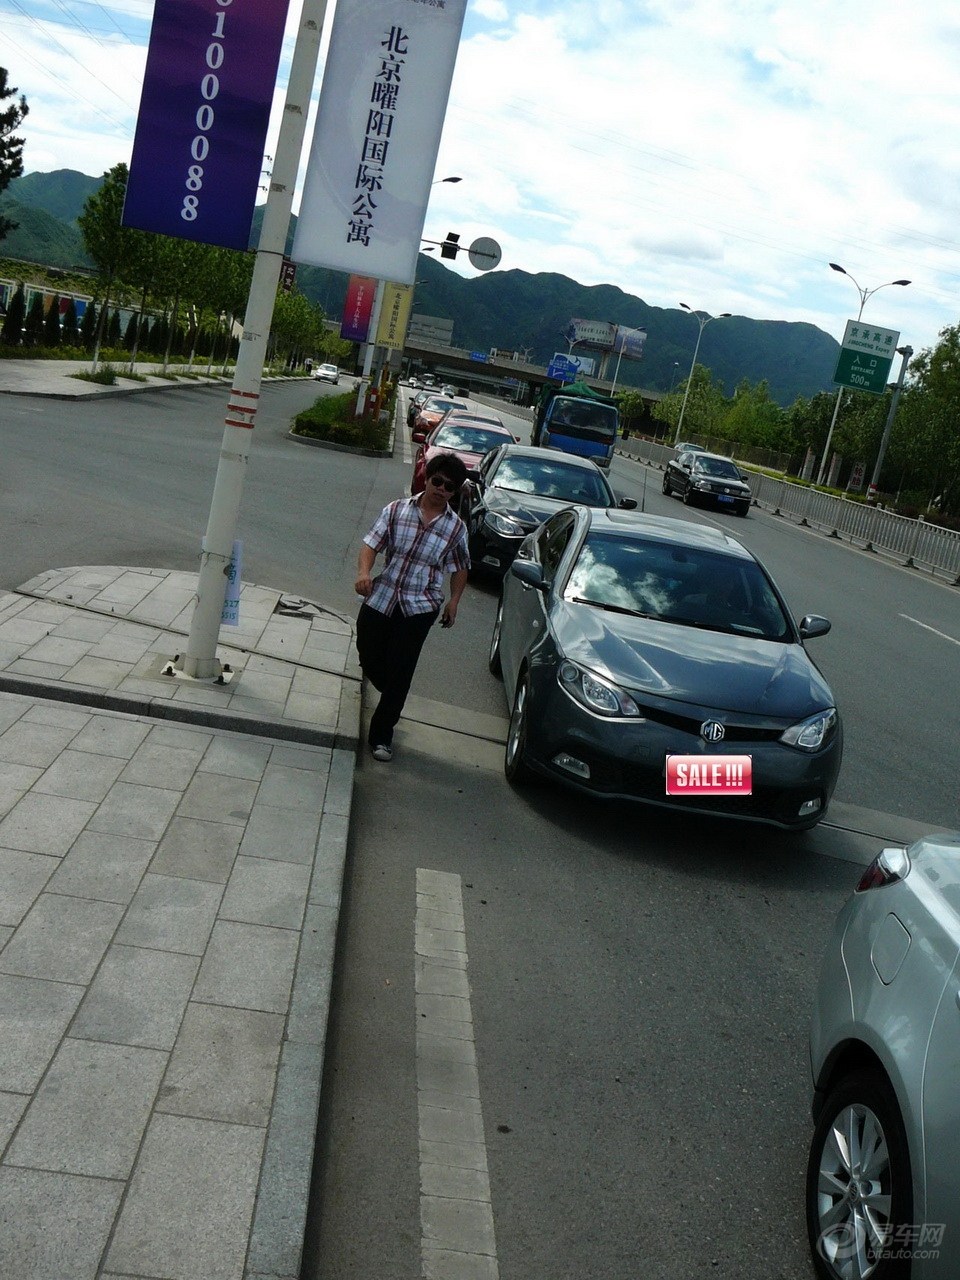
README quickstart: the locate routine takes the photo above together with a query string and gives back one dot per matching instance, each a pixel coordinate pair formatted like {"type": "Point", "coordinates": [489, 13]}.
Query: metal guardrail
{"type": "Point", "coordinates": [915, 543]}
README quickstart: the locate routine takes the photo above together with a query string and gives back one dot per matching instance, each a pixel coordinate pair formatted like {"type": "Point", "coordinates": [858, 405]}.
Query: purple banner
{"type": "Point", "coordinates": [207, 91]}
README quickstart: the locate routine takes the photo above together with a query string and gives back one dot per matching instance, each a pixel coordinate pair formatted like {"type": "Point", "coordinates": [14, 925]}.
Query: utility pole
{"type": "Point", "coordinates": [200, 657]}
{"type": "Point", "coordinates": [906, 353]}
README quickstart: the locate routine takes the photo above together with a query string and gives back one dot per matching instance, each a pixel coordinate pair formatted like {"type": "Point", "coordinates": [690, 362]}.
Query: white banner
{"type": "Point", "coordinates": [382, 104]}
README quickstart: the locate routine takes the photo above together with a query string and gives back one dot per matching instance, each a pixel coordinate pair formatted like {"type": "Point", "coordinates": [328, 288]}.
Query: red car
{"type": "Point", "coordinates": [429, 414]}
{"type": "Point", "coordinates": [468, 437]}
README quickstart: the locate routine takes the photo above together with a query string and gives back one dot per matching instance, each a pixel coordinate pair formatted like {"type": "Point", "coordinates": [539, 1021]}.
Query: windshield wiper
{"type": "Point", "coordinates": [612, 608]}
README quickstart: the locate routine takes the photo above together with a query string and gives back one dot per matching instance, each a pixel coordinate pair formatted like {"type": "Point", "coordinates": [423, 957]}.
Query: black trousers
{"type": "Point", "coordinates": [389, 648]}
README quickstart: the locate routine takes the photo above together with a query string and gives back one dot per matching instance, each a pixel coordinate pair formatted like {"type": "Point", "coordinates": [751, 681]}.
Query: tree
{"type": "Point", "coordinates": [71, 330]}
{"type": "Point", "coordinates": [13, 321]}
{"type": "Point", "coordinates": [51, 324]}
{"type": "Point", "coordinates": [925, 443]}
{"type": "Point", "coordinates": [33, 328]}
{"type": "Point", "coordinates": [88, 326]}
{"type": "Point", "coordinates": [11, 147]}
{"type": "Point", "coordinates": [108, 243]}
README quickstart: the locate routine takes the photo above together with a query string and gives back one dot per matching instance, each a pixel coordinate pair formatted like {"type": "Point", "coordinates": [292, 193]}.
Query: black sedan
{"type": "Point", "coordinates": [654, 659]}
{"type": "Point", "coordinates": [707, 477]}
{"type": "Point", "coordinates": [517, 488]}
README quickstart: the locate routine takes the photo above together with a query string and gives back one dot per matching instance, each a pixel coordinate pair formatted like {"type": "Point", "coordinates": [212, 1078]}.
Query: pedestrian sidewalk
{"type": "Point", "coordinates": [57, 380]}
{"type": "Point", "coordinates": [171, 857]}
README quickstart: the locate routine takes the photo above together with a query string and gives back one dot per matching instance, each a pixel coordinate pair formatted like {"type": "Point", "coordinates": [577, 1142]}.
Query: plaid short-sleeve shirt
{"type": "Point", "coordinates": [417, 557]}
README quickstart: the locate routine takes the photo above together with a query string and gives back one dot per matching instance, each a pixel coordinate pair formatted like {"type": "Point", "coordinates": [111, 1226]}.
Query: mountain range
{"type": "Point", "coordinates": [512, 310]}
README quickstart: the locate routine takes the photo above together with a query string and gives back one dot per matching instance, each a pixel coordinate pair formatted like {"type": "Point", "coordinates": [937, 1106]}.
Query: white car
{"type": "Point", "coordinates": [883, 1179]}
{"type": "Point", "coordinates": [327, 373]}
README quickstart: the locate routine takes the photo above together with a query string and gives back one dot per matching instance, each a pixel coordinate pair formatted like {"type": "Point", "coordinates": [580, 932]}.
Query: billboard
{"type": "Point", "coordinates": [198, 147]}
{"type": "Point", "coordinates": [382, 103]}
{"type": "Point", "coordinates": [592, 333]}
{"type": "Point", "coordinates": [629, 342]}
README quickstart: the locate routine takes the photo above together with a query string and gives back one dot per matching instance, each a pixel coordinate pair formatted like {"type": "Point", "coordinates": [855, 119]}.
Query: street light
{"type": "Point", "coordinates": [864, 295]}
{"type": "Point", "coordinates": [437, 181]}
{"type": "Point", "coordinates": [703, 319]}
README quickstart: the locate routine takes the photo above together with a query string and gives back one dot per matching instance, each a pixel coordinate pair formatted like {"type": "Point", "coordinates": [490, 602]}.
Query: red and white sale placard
{"type": "Point", "coordinates": [709, 775]}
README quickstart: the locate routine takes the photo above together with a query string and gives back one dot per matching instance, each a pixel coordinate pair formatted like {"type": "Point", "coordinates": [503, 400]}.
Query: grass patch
{"type": "Point", "coordinates": [106, 375]}
{"type": "Point", "coordinates": [331, 418]}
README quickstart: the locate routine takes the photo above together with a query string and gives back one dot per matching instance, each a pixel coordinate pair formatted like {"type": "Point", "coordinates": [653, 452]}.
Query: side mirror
{"type": "Point", "coordinates": [418, 437]}
{"type": "Point", "coordinates": [627, 504]}
{"type": "Point", "coordinates": [812, 626]}
{"type": "Point", "coordinates": [530, 574]}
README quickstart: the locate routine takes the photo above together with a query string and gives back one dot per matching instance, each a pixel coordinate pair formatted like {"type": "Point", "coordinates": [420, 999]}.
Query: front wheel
{"type": "Point", "coordinates": [859, 1189]}
{"type": "Point", "coordinates": [666, 485]}
{"type": "Point", "coordinates": [687, 497]}
{"type": "Point", "coordinates": [515, 767]}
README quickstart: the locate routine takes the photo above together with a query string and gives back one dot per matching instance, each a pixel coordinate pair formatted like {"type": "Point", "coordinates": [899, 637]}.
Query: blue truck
{"type": "Point", "coordinates": [576, 419]}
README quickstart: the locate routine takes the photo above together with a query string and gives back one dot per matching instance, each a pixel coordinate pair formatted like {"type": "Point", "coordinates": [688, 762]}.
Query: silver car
{"type": "Point", "coordinates": [883, 1178]}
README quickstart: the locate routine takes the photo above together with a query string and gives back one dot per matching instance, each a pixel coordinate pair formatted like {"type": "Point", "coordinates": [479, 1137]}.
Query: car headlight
{"type": "Point", "coordinates": [702, 484]}
{"type": "Point", "coordinates": [811, 734]}
{"type": "Point", "coordinates": [504, 525]}
{"type": "Point", "coordinates": [600, 696]}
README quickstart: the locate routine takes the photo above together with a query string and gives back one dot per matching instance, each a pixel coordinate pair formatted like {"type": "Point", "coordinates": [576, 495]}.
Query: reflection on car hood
{"type": "Point", "coordinates": [528, 508]}
{"type": "Point", "coordinates": [470, 459]}
{"type": "Point", "coordinates": [708, 668]}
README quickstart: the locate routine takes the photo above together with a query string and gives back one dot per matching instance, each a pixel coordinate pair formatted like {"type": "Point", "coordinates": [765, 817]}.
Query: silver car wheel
{"type": "Point", "coordinates": [515, 767]}
{"type": "Point", "coordinates": [854, 1201]}
{"type": "Point", "coordinates": [493, 661]}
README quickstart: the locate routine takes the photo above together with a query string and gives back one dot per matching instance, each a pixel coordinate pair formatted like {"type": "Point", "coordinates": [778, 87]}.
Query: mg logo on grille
{"type": "Point", "coordinates": [711, 731]}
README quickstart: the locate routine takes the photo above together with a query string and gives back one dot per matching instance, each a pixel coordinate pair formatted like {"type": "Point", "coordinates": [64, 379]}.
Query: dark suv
{"type": "Point", "coordinates": [707, 477]}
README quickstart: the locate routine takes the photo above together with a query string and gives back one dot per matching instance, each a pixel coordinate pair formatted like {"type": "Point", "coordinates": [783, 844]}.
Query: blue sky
{"type": "Point", "coordinates": [718, 155]}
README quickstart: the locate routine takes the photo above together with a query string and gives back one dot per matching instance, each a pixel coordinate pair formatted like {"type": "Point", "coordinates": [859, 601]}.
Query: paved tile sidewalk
{"type": "Point", "coordinates": [169, 896]}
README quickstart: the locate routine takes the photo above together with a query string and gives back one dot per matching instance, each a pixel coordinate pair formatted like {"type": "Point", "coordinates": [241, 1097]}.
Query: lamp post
{"type": "Point", "coordinates": [865, 294]}
{"type": "Point", "coordinates": [703, 319]}
{"type": "Point", "coordinates": [906, 353]}
{"type": "Point", "coordinates": [437, 181]}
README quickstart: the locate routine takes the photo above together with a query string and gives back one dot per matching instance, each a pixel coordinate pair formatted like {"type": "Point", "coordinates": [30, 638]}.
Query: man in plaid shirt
{"type": "Point", "coordinates": [422, 538]}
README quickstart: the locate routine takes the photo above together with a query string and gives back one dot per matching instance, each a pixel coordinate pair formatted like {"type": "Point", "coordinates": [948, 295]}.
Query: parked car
{"type": "Point", "coordinates": [448, 389]}
{"type": "Point", "coordinates": [471, 439]}
{"type": "Point", "coordinates": [517, 487]}
{"type": "Point", "coordinates": [627, 639]}
{"type": "Point", "coordinates": [413, 408]}
{"type": "Point", "coordinates": [688, 447]}
{"type": "Point", "coordinates": [327, 373]}
{"type": "Point", "coordinates": [708, 477]}
{"type": "Point", "coordinates": [429, 413]}
{"type": "Point", "coordinates": [883, 1180]}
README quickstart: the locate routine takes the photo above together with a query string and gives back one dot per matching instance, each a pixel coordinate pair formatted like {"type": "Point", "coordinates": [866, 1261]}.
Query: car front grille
{"type": "Point", "coordinates": [691, 725]}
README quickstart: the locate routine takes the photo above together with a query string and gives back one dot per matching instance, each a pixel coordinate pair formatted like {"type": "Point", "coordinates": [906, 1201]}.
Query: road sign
{"type": "Point", "coordinates": [563, 368]}
{"type": "Point", "coordinates": [484, 253]}
{"type": "Point", "coordinates": [865, 357]}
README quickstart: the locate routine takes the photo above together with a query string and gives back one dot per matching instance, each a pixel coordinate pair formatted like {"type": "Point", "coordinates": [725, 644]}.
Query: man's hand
{"type": "Point", "coordinates": [449, 615]}
{"type": "Point", "coordinates": [363, 585]}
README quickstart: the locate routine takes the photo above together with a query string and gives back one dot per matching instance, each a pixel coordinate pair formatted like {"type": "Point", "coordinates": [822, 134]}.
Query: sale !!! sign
{"type": "Point", "coordinates": [207, 90]}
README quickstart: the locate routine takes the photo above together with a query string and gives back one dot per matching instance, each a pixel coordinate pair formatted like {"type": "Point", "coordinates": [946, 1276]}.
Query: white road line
{"type": "Point", "coordinates": [942, 634]}
{"type": "Point", "coordinates": [456, 1214]}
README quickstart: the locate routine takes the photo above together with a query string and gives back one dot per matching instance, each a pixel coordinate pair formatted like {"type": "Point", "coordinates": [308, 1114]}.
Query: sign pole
{"type": "Point", "coordinates": [200, 658]}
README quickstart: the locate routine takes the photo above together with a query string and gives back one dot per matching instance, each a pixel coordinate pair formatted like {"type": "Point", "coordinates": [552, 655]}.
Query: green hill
{"type": "Point", "coordinates": [506, 309]}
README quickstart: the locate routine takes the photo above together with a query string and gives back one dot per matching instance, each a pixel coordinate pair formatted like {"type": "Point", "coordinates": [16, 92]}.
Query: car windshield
{"type": "Point", "coordinates": [717, 468]}
{"type": "Point", "coordinates": [689, 586]}
{"type": "Point", "coordinates": [554, 479]}
{"type": "Point", "coordinates": [437, 405]}
{"type": "Point", "coordinates": [469, 439]}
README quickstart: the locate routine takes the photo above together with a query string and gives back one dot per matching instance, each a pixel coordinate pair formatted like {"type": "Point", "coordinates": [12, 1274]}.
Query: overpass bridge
{"type": "Point", "coordinates": [515, 379]}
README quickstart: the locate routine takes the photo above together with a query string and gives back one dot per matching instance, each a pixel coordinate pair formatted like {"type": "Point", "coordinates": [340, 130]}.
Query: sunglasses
{"type": "Point", "coordinates": [447, 485]}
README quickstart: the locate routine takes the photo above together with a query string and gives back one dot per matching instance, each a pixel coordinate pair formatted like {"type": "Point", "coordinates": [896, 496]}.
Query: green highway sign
{"type": "Point", "coordinates": [865, 357]}
{"type": "Point", "coordinates": [862, 372]}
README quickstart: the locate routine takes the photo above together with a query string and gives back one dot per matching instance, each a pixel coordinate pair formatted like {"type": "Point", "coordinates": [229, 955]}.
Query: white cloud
{"type": "Point", "coordinates": [680, 149]}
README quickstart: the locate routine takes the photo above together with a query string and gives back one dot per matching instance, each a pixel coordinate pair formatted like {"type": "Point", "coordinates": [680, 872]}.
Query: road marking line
{"type": "Point", "coordinates": [942, 634]}
{"type": "Point", "coordinates": [456, 1213]}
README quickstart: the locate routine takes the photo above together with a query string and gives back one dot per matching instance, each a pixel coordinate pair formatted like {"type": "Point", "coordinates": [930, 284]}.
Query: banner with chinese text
{"type": "Point", "coordinates": [394, 315]}
{"type": "Point", "coordinates": [382, 104]}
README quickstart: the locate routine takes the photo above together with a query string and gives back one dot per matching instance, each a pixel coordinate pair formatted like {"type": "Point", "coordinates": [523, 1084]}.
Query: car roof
{"type": "Point", "coordinates": [720, 457]}
{"type": "Point", "coordinates": [548, 455]}
{"type": "Point", "coordinates": [667, 529]}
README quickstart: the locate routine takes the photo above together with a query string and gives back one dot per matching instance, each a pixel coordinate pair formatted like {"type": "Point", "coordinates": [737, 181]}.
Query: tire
{"type": "Point", "coordinates": [743, 511]}
{"type": "Point", "coordinates": [517, 771]}
{"type": "Point", "coordinates": [666, 485]}
{"type": "Point", "coordinates": [687, 498]}
{"type": "Point", "coordinates": [493, 661]}
{"type": "Point", "coordinates": [842, 1224]}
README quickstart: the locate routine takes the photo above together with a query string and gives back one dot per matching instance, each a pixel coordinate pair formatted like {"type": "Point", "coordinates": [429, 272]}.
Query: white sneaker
{"type": "Point", "coordinates": [383, 753]}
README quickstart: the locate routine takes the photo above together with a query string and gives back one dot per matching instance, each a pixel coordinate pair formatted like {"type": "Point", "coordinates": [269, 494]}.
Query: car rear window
{"type": "Point", "coordinates": [470, 439]}
{"type": "Point", "coordinates": [689, 586]}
